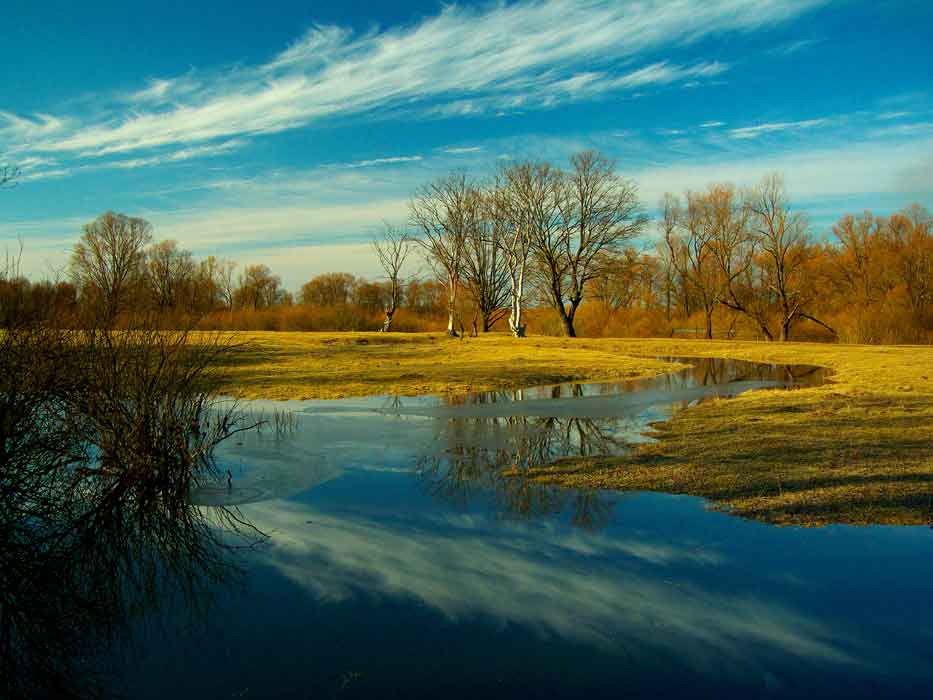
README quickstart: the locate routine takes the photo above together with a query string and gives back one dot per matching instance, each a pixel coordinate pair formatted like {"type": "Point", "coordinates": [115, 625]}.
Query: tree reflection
{"type": "Point", "coordinates": [490, 455]}
{"type": "Point", "coordinates": [103, 435]}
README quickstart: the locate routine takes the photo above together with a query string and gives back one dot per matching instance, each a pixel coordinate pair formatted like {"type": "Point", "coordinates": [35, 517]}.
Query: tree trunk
{"type": "Point", "coordinates": [569, 330]}
{"type": "Point", "coordinates": [518, 289]}
{"type": "Point", "coordinates": [709, 325]}
{"type": "Point", "coordinates": [785, 330]}
{"type": "Point", "coordinates": [452, 306]}
{"type": "Point", "coordinates": [766, 331]}
{"type": "Point", "coordinates": [388, 320]}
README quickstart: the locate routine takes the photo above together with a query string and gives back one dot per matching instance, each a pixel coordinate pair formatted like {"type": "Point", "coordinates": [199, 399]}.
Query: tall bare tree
{"type": "Point", "coordinates": [726, 216]}
{"type": "Point", "coordinates": [693, 254]}
{"type": "Point", "coordinates": [485, 273]}
{"type": "Point", "coordinates": [392, 249]}
{"type": "Point", "coordinates": [445, 212]}
{"type": "Point", "coordinates": [227, 283]}
{"type": "Point", "coordinates": [784, 241]}
{"type": "Point", "coordinates": [171, 275]}
{"type": "Point", "coordinates": [673, 257]}
{"type": "Point", "coordinates": [259, 288]}
{"type": "Point", "coordinates": [598, 213]}
{"type": "Point", "coordinates": [329, 289]}
{"type": "Point", "coordinates": [108, 261]}
{"type": "Point", "coordinates": [525, 207]}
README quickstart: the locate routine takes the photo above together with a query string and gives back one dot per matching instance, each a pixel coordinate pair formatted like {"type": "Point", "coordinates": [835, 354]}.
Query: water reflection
{"type": "Point", "coordinates": [484, 441]}
{"type": "Point", "coordinates": [461, 583]}
{"type": "Point", "coordinates": [458, 446]}
{"type": "Point", "coordinates": [670, 600]}
{"type": "Point", "coordinates": [103, 435]}
{"type": "Point", "coordinates": [702, 379]}
{"type": "Point", "coordinates": [479, 450]}
{"type": "Point", "coordinates": [76, 579]}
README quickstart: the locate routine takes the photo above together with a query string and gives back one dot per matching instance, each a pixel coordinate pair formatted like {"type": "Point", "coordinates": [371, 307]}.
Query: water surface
{"type": "Point", "coordinates": [401, 565]}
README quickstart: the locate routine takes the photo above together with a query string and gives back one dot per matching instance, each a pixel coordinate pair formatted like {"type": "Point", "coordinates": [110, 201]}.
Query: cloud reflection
{"type": "Point", "coordinates": [606, 591]}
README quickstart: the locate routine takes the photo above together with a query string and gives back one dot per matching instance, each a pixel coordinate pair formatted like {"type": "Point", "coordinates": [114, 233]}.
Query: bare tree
{"type": "Point", "coordinates": [672, 255]}
{"type": "Point", "coordinates": [258, 288]}
{"type": "Point", "coordinates": [171, 275]}
{"type": "Point", "coordinates": [727, 218]}
{"type": "Point", "coordinates": [445, 212]}
{"type": "Point", "coordinates": [783, 239]}
{"type": "Point", "coordinates": [909, 236]}
{"type": "Point", "coordinates": [627, 281]}
{"type": "Point", "coordinates": [694, 256]}
{"type": "Point", "coordinates": [108, 261]}
{"type": "Point", "coordinates": [329, 289]}
{"type": "Point", "coordinates": [599, 212]}
{"type": "Point", "coordinates": [227, 283]}
{"type": "Point", "coordinates": [484, 270]}
{"type": "Point", "coordinates": [525, 208]}
{"type": "Point", "coordinates": [392, 250]}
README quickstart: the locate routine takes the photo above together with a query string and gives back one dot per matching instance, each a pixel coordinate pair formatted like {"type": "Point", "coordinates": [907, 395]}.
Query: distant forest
{"type": "Point", "coordinates": [534, 248]}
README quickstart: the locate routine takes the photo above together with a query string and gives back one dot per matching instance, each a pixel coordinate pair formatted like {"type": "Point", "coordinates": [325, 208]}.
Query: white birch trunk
{"type": "Point", "coordinates": [452, 306]}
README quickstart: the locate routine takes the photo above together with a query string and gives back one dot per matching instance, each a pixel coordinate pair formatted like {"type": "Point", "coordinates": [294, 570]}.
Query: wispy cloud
{"type": "Point", "coordinates": [916, 128]}
{"type": "Point", "coordinates": [886, 116]}
{"type": "Point", "coordinates": [183, 154]}
{"type": "Point", "coordinates": [792, 47]}
{"type": "Point", "coordinates": [526, 54]}
{"type": "Point", "coordinates": [159, 91]}
{"type": "Point", "coordinates": [17, 129]}
{"type": "Point", "coordinates": [711, 125]}
{"type": "Point", "coordinates": [40, 168]}
{"type": "Point", "coordinates": [750, 132]}
{"type": "Point", "coordinates": [618, 602]}
{"type": "Point", "coordinates": [462, 150]}
{"type": "Point", "coordinates": [48, 174]}
{"type": "Point", "coordinates": [384, 161]}
{"type": "Point", "coordinates": [854, 172]}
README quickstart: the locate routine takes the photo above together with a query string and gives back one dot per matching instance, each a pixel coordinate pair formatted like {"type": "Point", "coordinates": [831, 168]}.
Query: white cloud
{"type": "Point", "coordinates": [663, 73]}
{"type": "Point", "coordinates": [850, 171]}
{"type": "Point", "coordinates": [626, 596]}
{"type": "Point", "coordinates": [711, 125]}
{"type": "Point", "coordinates": [49, 174]}
{"type": "Point", "coordinates": [751, 132]}
{"type": "Point", "coordinates": [904, 130]}
{"type": "Point", "coordinates": [475, 58]}
{"type": "Point", "coordinates": [296, 241]}
{"type": "Point", "coordinates": [462, 150]}
{"type": "Point", "coordinates": [384, 161]}
{"type": "Point", "coordinates": [793, 47]}
{"type": "Point", "coordinates": [159, 90]}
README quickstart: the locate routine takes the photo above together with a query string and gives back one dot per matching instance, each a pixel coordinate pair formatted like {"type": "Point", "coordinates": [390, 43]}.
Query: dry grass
{"type": "Point", "coordinates": [858, 450]}
{"type": "Point", "coordinates": [335, 365]}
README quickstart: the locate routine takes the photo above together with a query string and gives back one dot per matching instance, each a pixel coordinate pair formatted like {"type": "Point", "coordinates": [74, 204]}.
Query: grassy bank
{"type": "Point", "coordinates": [335, 365]}
{"type": "Point", "coordinates": [858, 450]}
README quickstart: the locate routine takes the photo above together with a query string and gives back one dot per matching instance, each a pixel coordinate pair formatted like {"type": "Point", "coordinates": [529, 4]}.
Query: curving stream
{"type": "Point", "coordinates": [401, 565]}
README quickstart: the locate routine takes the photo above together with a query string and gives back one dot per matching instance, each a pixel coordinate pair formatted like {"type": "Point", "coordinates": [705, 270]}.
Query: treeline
{"type": "Point", "coordinates": [740, 262]}
{"type": "Point", "coordinates": [537, 248]}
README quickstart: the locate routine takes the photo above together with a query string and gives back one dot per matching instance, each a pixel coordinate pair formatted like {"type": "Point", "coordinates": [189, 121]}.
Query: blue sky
{"type": "Point", "coordinates": [286, 133]}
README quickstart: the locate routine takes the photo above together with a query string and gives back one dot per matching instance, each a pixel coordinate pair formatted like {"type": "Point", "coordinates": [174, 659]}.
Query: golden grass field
{"type": "Point", "coordinates": [857, 450]}
{"type": "Point", "coordinates": [274, 365]}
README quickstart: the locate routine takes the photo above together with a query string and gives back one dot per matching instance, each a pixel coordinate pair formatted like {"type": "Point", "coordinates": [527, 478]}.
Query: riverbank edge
{"type": "Point", "coordinates": [858, 450]}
